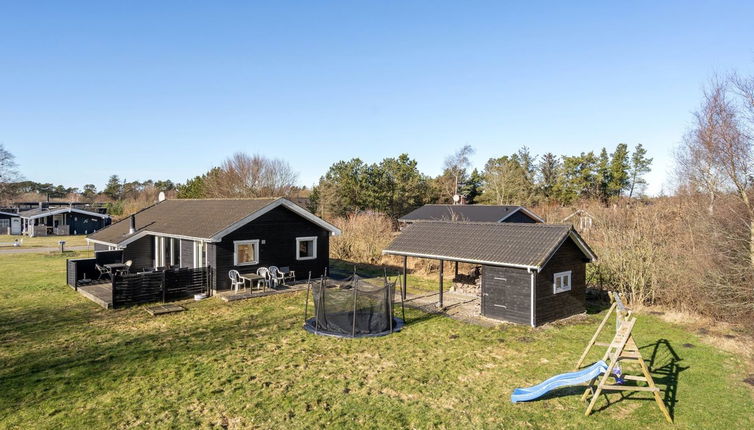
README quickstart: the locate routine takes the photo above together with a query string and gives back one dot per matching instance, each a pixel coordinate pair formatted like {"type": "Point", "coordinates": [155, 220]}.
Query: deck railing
{"type": "Point", "coordinates": [78, 269]}
{"type": "Point", "coordinates": [161, 286]}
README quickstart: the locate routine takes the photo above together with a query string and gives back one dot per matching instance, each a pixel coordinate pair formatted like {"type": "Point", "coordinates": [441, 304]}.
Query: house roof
{"type": "Point", "coordinates": [473, 213]}
{"type": "Point", "coordinates": [202, 219]}
{"type": "Point", "coordinates": [498, 244]}
{"type": "Point", "coordinates": [37, 213]}
{"type": "Point", "coordinates": [8, 213]}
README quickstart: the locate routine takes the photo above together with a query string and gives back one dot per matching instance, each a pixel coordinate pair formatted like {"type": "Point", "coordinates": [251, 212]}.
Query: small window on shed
{"type": "Point", "coordinates": [561, 282]}
{"type": "Point", "coordinates": [306, 248]}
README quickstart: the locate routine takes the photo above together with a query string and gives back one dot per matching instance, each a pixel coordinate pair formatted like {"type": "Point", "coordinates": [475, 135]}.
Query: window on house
{"type": "Point", "coordinates": [306, 248]}
{"type": "Point", "coordinates": [200, 254]}
{"type": "Point", "coordinates": [245, 252]}
{"type": "Point", "coordinates": [561, 282]}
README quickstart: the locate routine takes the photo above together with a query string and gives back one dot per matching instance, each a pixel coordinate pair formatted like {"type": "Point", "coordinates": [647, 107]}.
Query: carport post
{"type": "Point", "coordinates": [439, 304]}
{"type": "Point", "coordinates": [403, 291]}
{"type": "Point", "coordinates": [455, 275]}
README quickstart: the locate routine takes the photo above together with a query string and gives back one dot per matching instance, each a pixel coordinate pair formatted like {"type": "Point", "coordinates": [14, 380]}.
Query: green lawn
{"type": "Point", "coordinates": [66, 363]}
{"type": "Point", "coordinates": [44, 241]}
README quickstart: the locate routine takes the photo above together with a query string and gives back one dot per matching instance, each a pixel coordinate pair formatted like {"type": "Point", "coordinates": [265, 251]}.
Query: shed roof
{"type": "Point", "coordinates": [497, 244]}
{"type": "Point", "coordinates": [204, 219]}
{"type": "Point", "coordinates": [472, 213]}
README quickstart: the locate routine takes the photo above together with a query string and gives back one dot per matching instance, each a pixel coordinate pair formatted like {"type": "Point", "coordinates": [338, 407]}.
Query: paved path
{"type": "Point", "coordinates": [27, 250]}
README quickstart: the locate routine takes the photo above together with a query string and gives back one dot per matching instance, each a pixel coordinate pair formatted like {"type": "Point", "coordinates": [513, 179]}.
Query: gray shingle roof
{"type": "Point", "coordinates": [184, 217]}
{"type": "Point", "coordinates": [504, 244]}
{"type": "Point", "coordinates": [472, 213]}
{"type": "Point", "coordinates": [199, 218]}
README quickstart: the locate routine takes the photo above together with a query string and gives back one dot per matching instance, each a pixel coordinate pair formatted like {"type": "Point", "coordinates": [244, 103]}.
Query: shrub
{"type": "Point", "coordinates": [365, 235]}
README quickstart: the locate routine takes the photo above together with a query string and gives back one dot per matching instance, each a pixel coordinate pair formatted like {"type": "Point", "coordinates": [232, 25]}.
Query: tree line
{"type": "Point", "coordinates": [395, 186]}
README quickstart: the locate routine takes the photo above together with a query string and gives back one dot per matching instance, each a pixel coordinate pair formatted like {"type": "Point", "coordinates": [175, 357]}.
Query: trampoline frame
{"type": "Point", "coordinates": [395, 323]}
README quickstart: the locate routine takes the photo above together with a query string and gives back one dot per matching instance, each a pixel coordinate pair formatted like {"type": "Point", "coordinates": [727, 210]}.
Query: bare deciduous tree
{"type": "Point", "coordinates": [243, 175]}
{"type": "Point", "coordinates": [716, 155]}
{"type": "Point", "coordinates": [8, 173]}
{"type": "Point", "coordinates": [454, 170]}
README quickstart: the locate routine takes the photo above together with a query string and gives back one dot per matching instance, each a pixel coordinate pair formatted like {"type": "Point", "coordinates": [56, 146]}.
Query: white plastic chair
{"type": "Point", "coordinates": [277, 276]}
{"type": "Point", "coordinates": [268, 281]}
{"type": "Point", "coordinates": [235, 280]}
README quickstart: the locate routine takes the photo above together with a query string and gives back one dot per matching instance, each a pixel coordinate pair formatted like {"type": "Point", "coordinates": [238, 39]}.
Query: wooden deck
{"type": "Point", "coordinates": [101, 294]}
{"type": "Point", "coordinates": [230, 296]}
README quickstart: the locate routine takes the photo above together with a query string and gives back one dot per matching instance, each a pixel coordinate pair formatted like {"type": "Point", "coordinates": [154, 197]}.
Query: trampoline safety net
{"type": "Point", "coordinates": [352, 308]}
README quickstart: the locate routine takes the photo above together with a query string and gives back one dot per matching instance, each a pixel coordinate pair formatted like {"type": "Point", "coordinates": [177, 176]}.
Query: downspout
{"type": "Point", "coordinates": [533, 298]}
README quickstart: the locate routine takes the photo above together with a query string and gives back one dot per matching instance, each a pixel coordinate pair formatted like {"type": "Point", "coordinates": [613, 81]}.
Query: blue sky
{"type": "Point", "coordinates": [168, 89]}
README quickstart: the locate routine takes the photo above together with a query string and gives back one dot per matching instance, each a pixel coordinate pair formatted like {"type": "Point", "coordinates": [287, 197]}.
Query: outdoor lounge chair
{"type": "Point", "coordinates": [277, 276]}
{"type": "Point", "coordinates": [235, 280]}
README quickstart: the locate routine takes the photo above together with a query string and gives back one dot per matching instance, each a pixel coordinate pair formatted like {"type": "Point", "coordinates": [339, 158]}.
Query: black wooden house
{"type": "Point", "coordinates": [471, 213]}
{"type": "Point", "coordinates": [62, 221]}
{"type": "Point", "coordinates": [224, 234]}
{"type": "Point", "coordinates": [531, 273]}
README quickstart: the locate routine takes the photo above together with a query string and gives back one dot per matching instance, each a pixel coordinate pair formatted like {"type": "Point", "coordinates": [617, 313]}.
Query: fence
{"type": "Point", "coordinates": [163, 286]}
{"type": "Point", "coordinates": [83, 268]}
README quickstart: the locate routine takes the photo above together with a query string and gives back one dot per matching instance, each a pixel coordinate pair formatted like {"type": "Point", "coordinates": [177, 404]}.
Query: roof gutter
{"type": "Point", "coordinates": [462, 260]}
{"type": "Point", "coordinates": [100, 242]}
{"type": "Point", "coordinates": [154, 233]}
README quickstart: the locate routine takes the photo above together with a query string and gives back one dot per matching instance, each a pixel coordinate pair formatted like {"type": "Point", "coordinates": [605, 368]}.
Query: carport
{"type": "Point", "coordinates": [531, 273]}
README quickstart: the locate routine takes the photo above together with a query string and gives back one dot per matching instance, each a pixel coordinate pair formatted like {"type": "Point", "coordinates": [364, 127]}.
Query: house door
{"type": "Point", "coordinates": [15, 226]}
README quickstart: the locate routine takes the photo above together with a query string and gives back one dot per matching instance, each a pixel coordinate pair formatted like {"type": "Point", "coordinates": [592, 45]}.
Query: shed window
{"type": "Point", "coordinates": [306, 248]}
{"type": "Point", "coordinates": [561, 282]}
{"type": "Point", "coordinates": [246, 252]}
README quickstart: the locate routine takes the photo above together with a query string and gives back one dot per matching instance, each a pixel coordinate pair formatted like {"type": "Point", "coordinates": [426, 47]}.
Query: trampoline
{"type": "Point", "coordinates": [351, 308]}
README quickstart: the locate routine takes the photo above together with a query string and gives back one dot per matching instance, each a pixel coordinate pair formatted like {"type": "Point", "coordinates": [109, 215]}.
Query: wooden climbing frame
{"type": "Point", "coordinates": [623, 348]}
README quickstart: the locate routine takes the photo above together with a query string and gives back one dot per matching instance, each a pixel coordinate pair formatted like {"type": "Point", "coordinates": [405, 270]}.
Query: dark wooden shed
{"type": "Point", "coordinates": [531, 273]}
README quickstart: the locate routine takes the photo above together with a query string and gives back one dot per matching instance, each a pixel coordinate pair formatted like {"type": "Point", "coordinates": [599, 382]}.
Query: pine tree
{"type": "Point", "coordinates": [639, 166]}
{"type": "Point", "coordinates": [619, 165]}
{"type": "Point", "coordinates": [548, 172]}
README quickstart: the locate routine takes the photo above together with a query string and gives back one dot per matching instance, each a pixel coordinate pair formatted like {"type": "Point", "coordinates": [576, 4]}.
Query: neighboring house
{"type": "Point", "coordinates": [581, 220]}
{"type": "Point", "coordinates": [92, 207]}
{"type": "Point", "coordinates": [531, 273]}
{"type": "Point", "coordinates": [10, 223]}
{"type": "Point", "coordinates": [225, 234]}
{"type": "Point", "coordinates": [61, 221]}
{"type": "Point", "coordinates": [472, 213]}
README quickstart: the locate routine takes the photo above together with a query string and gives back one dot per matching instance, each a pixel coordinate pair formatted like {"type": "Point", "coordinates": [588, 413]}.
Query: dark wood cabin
{"type": "Point", "coordinates": [62, 221]}
{"type": "Point", "coordinates": [224, 234]}
{"type": "Point", "coordinates": [471, 213]}
{"type": "Point", "coordinates": [531, 273]}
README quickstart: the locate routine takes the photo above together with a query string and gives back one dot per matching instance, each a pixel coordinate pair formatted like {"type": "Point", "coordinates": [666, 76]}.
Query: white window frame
{"type": "Point", "coordinates": [254, 243]}
{"type": "Point", "coordinates": [159, 255]}
{"type": "Point", "coordinates": [563, 276]}
{"type": "Point", "coordinates": [199, 249]}
{"type": "Point", "coordinates": [314, 247]}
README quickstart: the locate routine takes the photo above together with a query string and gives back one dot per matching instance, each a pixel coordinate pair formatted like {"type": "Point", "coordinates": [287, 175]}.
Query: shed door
{"type": "Point", "coordinates": [15, 226]}
{"type": "Point", "coordinates": [506, 294]}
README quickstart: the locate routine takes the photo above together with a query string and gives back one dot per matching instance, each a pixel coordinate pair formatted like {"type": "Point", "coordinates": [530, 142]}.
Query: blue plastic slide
{"type": "Point", "coordinates": [572, 378]}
